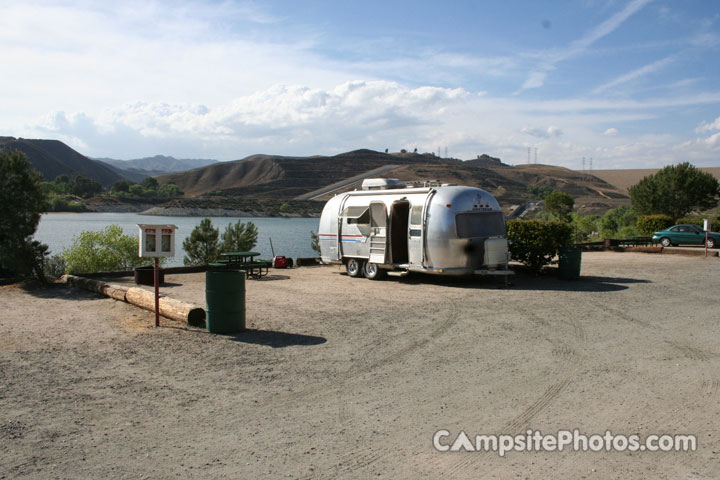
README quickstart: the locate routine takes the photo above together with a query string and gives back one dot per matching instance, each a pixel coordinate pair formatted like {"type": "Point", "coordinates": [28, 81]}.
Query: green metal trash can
{"type": "Point", "coordinates": [225, 301]}
{"type": "Point", "coordinates": [570, 260]}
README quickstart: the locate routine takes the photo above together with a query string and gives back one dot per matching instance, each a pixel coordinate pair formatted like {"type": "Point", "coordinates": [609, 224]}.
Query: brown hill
{"type": "Point", "coordinates": [53, 158]}
{"type": "Point", "coordinates": [624, 179]}
{"type": "Point", "coordinates": [275, 177]}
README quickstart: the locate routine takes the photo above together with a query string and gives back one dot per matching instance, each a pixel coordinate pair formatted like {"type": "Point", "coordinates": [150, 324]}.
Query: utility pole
{"type": "Point", "coordinates": [528, 155]}
{"type": "Point", "coordinates": [536, 155]}
{"type": "Point", "coordinates": [583, 164]}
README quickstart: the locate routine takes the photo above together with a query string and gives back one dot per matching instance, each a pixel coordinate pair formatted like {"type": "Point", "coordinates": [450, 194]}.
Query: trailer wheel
{"type": "Point", "coordinates": [373, 272]}
{"type": "Point", "coordinates": [354, 267]}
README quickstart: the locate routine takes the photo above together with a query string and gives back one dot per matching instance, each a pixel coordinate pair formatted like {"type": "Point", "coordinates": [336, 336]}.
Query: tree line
{"type": "Point", "coordinates": [66, 192]}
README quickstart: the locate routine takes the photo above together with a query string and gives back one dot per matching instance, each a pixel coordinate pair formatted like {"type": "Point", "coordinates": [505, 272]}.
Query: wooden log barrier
{"type": "Point", "coordinates": [169, 307]}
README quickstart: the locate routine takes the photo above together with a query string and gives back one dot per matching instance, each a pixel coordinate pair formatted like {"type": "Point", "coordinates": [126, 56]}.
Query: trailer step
{"type": "Point", "coordinates": [398, 274]}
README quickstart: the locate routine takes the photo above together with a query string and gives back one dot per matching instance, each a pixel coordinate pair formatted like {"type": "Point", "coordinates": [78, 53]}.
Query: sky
{"type": "Point", "coordinates": [628, 84]}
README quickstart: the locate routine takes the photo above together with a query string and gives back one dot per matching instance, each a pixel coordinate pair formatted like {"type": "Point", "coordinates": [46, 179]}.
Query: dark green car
{"type": "Point", "coordinates": [685, 235]}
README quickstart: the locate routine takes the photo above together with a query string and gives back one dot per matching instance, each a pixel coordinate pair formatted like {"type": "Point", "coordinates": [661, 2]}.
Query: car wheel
{"type": "Point", "coordinates": [354, 267]}
{"type": "Point", "coordinates": [373, 272]}
{"type": "Point", "coordinates": [711, 242]}
{"type": "Point", "coordinates": [665, 242]}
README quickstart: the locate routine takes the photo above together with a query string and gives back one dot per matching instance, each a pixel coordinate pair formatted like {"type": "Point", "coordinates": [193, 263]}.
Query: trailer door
{"type": "Point", "coordinates": [415, 235]}
{"type": "Point", "coordinates": [378, 232]}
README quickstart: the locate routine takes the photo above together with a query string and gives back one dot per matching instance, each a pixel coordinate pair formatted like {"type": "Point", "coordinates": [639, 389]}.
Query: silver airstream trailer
{"type": "Point", "coordinates": [390, 227]}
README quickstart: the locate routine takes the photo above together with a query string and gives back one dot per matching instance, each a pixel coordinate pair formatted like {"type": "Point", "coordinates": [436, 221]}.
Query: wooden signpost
{"type": "Point", "coordinates": [157, 241]}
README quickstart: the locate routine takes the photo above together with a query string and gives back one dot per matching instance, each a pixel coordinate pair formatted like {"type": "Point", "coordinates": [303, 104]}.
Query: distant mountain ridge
{"type": "Point", "coordinates": [52, 158]}
{"type": "Point", "coordinates": [158, 164]}
{"type": "Point", "coordinates": [271, 177]}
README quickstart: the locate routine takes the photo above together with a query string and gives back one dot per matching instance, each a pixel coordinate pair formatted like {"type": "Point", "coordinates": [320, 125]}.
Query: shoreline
{"type": "Point", "coordinates": [194, 212]}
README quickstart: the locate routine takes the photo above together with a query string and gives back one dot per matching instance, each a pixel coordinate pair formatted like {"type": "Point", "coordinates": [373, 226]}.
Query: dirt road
{"type": "Point", "coordinates": [350, 378]}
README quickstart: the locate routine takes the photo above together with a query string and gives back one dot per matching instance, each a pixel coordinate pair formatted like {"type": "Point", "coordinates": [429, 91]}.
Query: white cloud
{"type": "Point", "coordinates": [534, 80]}
{"type": "Point", "coordinates": [549, 132]}
{"type": "Point", "coordinates": [709, 127]}
{"type": "Point", "coordinates": [611, 132]}
{"type": "Point", "coordinates": [713, 140]}
{"type": "Point", "coordinates": [302, 120]}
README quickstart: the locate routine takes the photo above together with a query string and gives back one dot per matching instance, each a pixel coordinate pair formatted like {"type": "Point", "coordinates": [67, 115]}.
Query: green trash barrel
{"type": "Point", "coordinates": [569, 266]}
{"type": "Point", "coordinates": [225, 301]}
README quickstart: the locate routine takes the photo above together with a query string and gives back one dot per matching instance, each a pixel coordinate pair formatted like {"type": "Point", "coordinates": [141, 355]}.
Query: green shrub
{"type": "Point", "coordinates": [104, 251]}
{"type": "Point", "coordinates": [619, 222]}
{"type": "Point", "coordinates": [647, 224]}
{"type": "Point", "coordinates": [314, 242]}
{"type": "Point", "coordinates": [535, 243]}
{"type": "Point", "coordinates": [586, 228]}
{"type": "Point", "coordinates": [66, 204]}
{"type": "Point", "coordinates": [54, 266]}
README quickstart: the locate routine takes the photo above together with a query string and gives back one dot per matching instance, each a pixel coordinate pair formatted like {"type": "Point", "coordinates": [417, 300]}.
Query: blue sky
{"type": "Point", "coordinates": [631, 84]}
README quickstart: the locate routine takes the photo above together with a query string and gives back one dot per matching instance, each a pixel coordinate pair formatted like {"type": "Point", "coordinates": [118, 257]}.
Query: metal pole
{"type": "Point", "coordinates": [157, 292]}
{"type": "Point", "coordinates": [271, 247]}
{"type": "Point", "coordinates": [706, 239]}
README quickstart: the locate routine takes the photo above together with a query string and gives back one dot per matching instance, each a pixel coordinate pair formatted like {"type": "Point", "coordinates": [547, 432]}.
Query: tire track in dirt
{"type": "Point", "coordinates": [393, 357]}
{"type": "Point", "coordinates": [617, 313]}
{"type": "Point", "coordinates": [670, 423]}
{"type": "Point", "coordinates": [567, 372]}
{"type": "Point", "coordinates": [362, 458]}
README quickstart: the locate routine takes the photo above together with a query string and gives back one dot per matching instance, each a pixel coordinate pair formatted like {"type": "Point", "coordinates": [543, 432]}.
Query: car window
{"type": "Point", "coordinates": [675, 229]}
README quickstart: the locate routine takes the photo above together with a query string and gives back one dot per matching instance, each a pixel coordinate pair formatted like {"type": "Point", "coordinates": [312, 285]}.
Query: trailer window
{"type": "Point", "coordinates": [480, 224]}
{"type": "Point", "coordinates": [356, 215]}
{"type": "Point", "coordinates": [416, 215]}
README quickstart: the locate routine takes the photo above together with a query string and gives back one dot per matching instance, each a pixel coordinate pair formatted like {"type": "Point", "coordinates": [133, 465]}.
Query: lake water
{"type": "Point", "coordinates": [290, 236]}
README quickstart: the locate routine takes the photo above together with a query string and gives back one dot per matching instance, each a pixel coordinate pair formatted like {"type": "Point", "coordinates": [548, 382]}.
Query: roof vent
{"type": "Point", "coordinates": [381, 183]}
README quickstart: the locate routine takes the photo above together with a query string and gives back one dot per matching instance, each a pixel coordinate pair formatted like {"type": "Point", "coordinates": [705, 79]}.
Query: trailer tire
{"type": "Point", "coordinates": [354, 267]}
{"type": "Point", "coordinates": [373, 272]}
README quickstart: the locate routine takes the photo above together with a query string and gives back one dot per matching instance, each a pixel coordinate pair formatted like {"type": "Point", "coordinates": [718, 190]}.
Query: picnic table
{"type": "Point", "coordinates": [246, 261]}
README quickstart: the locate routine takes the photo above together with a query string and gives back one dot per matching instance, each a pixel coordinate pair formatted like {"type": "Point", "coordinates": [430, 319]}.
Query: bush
{"type": "Point", "coordinates": [619, 222]}
{"type": "Point", "coordinates": [314, 242]}
{"type": "Point", "coordinates": [104, 251]}
{"type": "Point", "coordinates": [64, 204]}
{"type": "Point", "coordinates": [202, 246]}
{"type": "Point", "coordinates": [586, 227]}
{"type": "Point", "coordinates": [54, 266]}
{"type": "Point", "coordinates": [648, 224]}
{"type": "Point", "coordinates": [535, 243]}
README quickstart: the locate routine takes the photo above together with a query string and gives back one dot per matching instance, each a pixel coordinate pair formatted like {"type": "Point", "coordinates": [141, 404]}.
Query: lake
{"type": "Point", "coordinates": [290, 236]}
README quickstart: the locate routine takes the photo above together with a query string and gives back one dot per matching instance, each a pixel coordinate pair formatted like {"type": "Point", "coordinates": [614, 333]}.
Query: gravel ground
{"type": "Point", "coordinates": [350, 378]}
